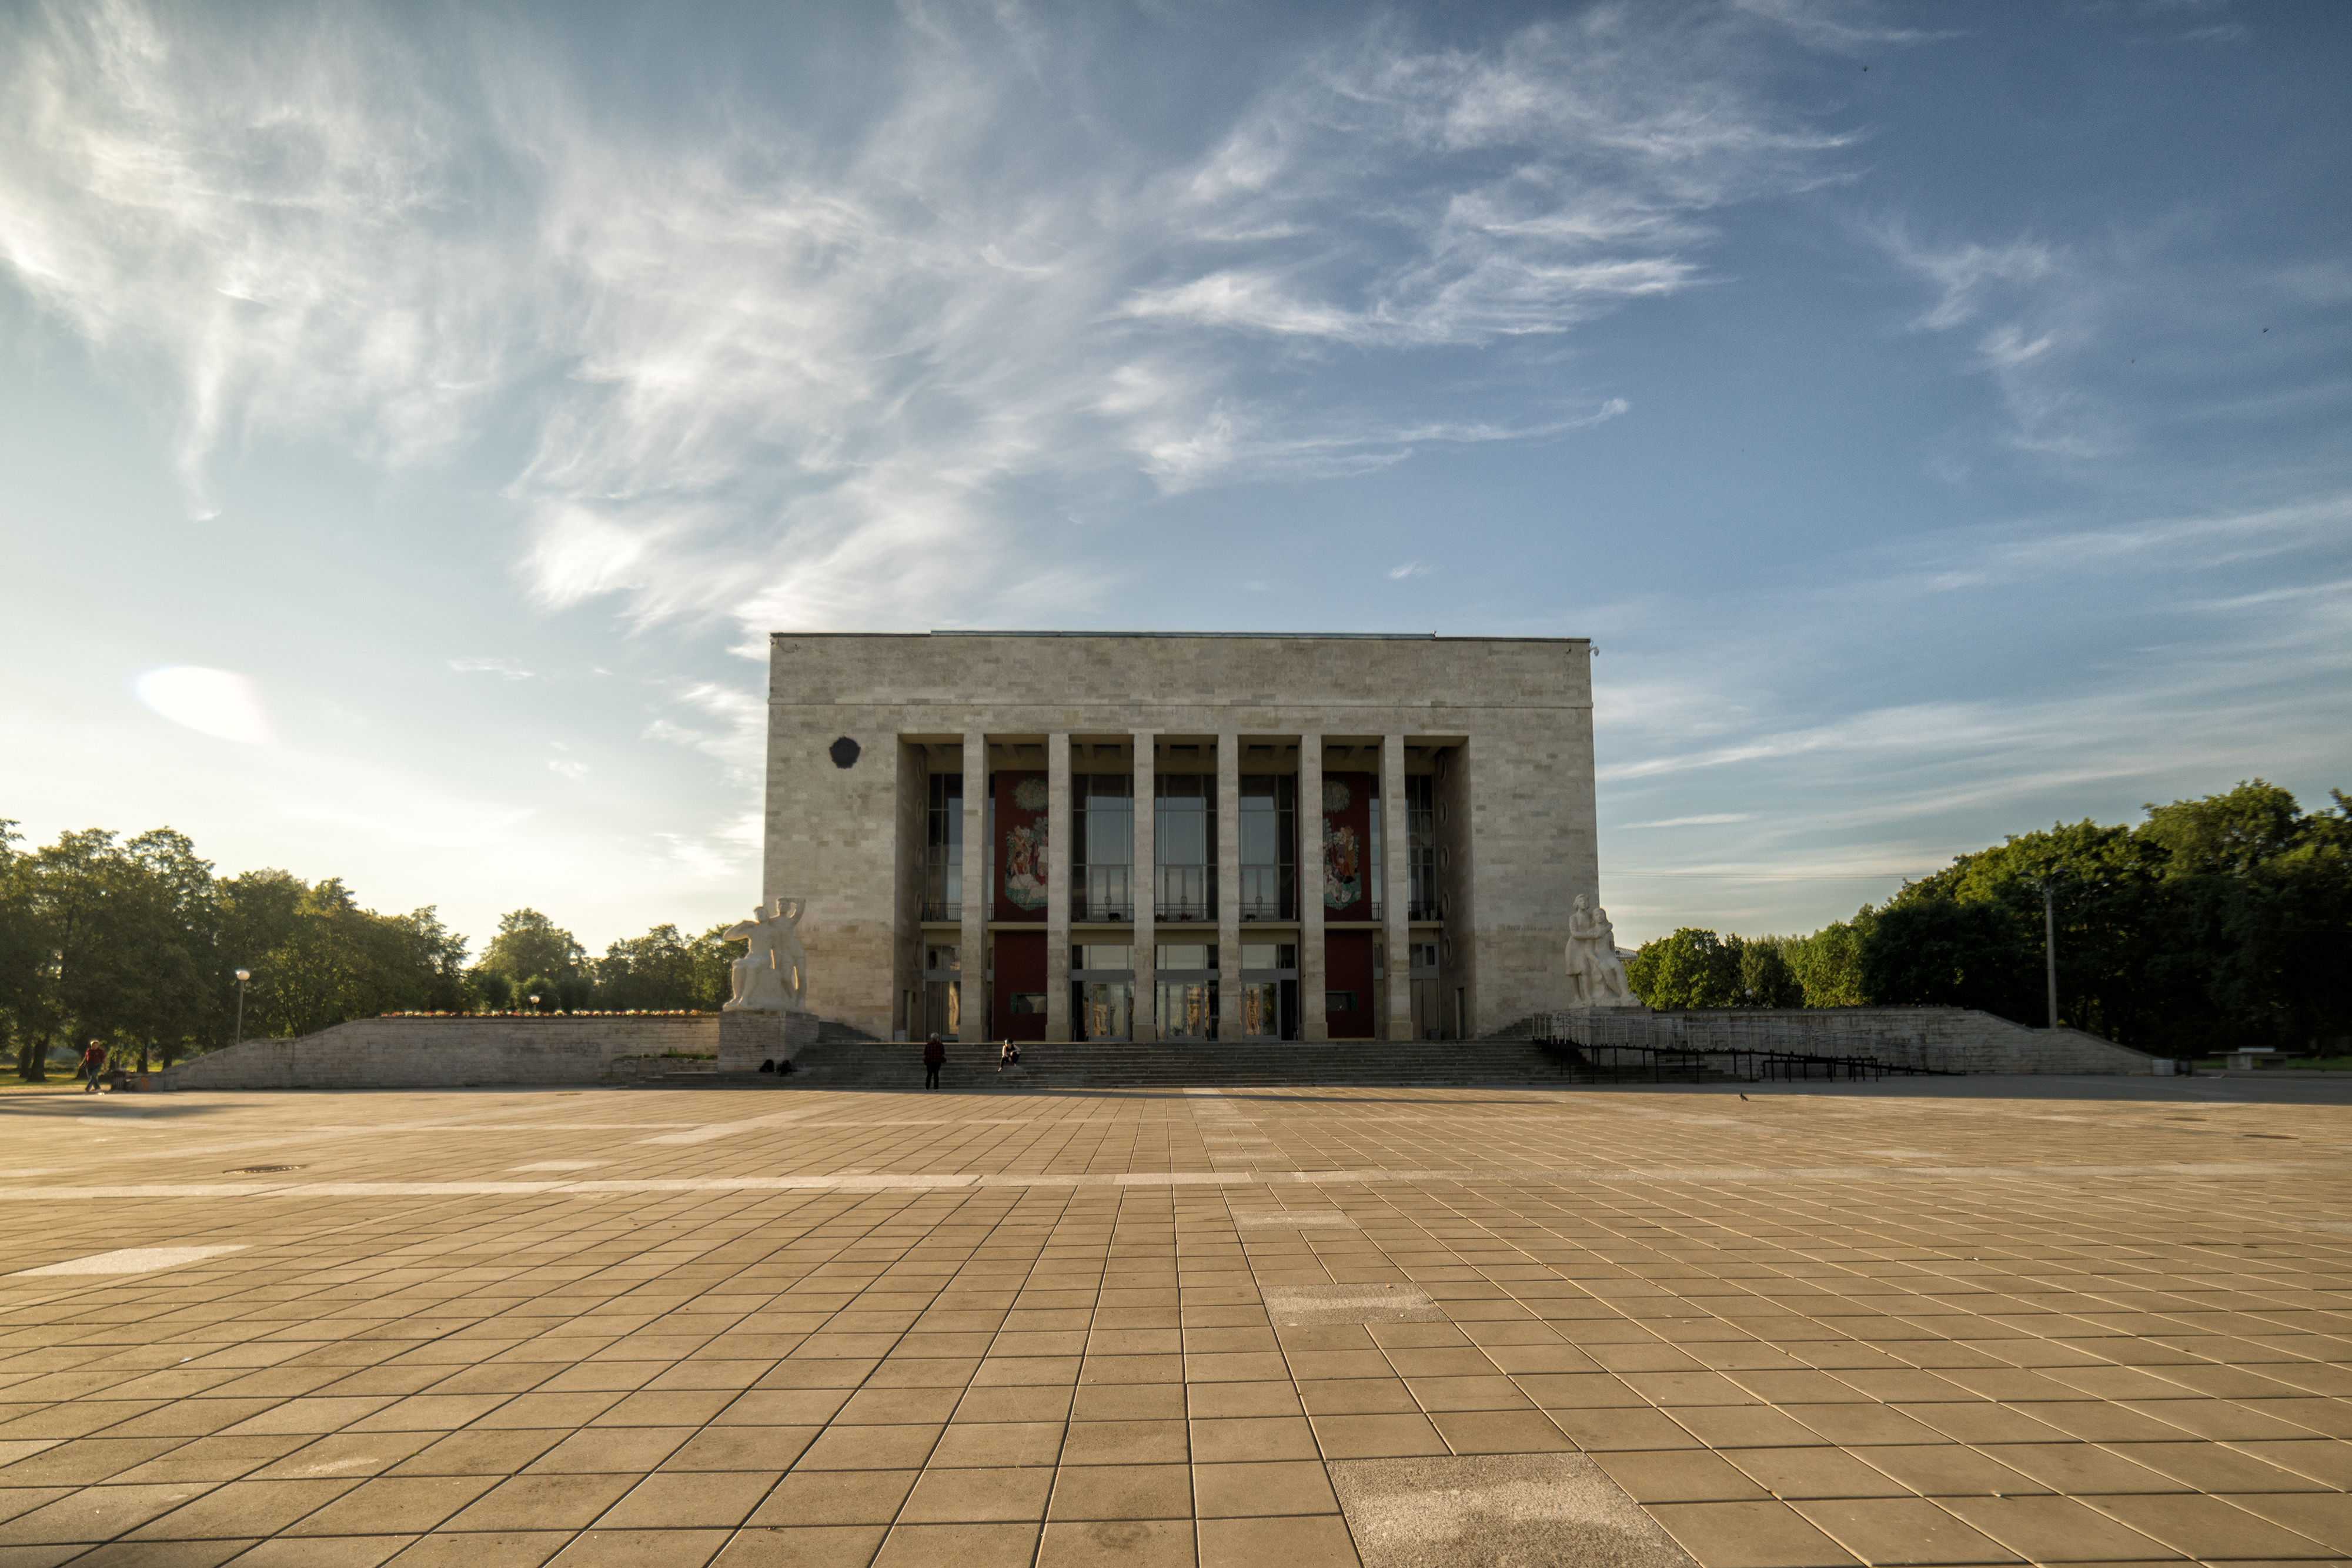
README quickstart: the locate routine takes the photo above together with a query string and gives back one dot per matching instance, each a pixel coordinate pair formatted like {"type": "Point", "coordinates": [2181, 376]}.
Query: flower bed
{"type": "Point", "coordinates": [583, 1013]}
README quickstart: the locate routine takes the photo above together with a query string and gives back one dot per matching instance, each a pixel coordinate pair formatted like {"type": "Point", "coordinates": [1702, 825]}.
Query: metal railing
{"type": "Point", "coordinates": [1681, 1064]}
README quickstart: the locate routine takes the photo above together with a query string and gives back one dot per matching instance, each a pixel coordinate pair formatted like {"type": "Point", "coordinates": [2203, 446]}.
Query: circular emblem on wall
{"type": "Point", "coordinates": [1030, 795]}
{"type": "Point", "coordinates": [844, 752]}
{"type": "Point", "coordinates": [1335, 795]}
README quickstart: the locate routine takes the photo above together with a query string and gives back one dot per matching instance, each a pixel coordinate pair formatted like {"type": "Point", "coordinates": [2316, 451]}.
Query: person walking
{"type": "Point", "coordinates": [93, 1063]}
{"type": "Point", "coordinates": [935, 1056]}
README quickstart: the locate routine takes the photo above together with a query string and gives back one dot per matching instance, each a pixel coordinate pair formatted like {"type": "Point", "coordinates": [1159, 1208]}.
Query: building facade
{"type": "Point", "coordinates": [1140, 836]}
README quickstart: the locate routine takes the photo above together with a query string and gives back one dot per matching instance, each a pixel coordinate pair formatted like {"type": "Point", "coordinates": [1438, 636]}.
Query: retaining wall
{"type": "Point", "coordinates": [1953, 1039]}
{"type": "Point", "coordinates": [450, 1052]}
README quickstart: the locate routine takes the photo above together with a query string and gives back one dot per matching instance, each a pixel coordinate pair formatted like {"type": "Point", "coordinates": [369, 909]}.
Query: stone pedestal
{"type": "Point", "coordinates": [748, 1039]}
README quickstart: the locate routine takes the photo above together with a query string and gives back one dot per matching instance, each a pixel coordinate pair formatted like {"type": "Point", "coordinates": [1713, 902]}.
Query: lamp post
{"type": "Point", "coordinates": [2050, 944]}
{"type": "Point", "coordinates": [242, 975]}
{"type": "Point", "coordinates": [534, 1004]}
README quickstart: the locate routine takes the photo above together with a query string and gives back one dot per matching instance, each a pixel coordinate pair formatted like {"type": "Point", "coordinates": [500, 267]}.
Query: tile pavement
{"type": "Point", "coordinates": [1987, 1321]}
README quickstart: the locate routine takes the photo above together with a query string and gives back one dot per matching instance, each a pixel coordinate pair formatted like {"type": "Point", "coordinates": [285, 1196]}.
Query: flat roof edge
{"type": "Point", "coordinates": [1235, 636]}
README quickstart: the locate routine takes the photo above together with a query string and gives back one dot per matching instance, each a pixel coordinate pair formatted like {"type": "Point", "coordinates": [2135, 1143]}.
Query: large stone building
{"type": "Point", "coordinates": [1171, 836]}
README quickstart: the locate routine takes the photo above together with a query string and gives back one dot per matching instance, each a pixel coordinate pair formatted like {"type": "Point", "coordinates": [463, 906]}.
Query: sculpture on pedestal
{"type": "Point", "coordinates": [1595, 977]}
{"type": "Point", "coordinates": [773, 974]}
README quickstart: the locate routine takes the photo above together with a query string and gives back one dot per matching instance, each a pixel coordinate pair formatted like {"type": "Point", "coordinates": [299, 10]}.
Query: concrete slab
{"type": "Point", "coordinates": [1520, 1510]}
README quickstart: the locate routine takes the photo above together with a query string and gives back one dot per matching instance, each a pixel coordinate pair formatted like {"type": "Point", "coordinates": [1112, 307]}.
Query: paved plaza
{"type": "Point", "coordinates": [1962, 1321]}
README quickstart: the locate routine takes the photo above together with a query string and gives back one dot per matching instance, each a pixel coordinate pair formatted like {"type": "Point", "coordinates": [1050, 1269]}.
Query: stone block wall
{"type": "Point", "coordinates": [1950, 1039]}
{"type": "Point", "coordinates": [448, 1053]}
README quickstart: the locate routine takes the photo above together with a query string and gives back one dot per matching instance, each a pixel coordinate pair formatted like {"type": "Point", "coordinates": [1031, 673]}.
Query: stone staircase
{"type": "Point", "coordinates": [1107, 1065]}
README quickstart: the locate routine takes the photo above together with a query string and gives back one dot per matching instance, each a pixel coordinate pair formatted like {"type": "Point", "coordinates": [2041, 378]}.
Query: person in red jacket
{"type": "Point", "coordinates": [935, 1056]}
{"type": "Point", "coordinates": [93, 1062]}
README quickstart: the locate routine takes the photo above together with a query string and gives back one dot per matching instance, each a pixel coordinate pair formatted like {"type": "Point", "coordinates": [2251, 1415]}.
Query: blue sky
{"type": "Point", "coordinates": [1936, 414]}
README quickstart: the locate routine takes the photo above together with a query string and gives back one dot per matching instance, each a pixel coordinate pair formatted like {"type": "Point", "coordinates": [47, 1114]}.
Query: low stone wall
{"type": "Point", "coordinates": [448, 1053]}
{"type": "Point", "coordinates": [1952, 1040]}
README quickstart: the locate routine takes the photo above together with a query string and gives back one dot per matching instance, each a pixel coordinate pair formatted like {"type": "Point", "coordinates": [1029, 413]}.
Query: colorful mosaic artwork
{"type": "Point", "coordinates": [1024, 865]}
{"type": "Point", "coordinates": [1343, 882]}
{"type": "Point", "coordinates": [1030, 795]}
{"type": "Point", "coordinates": [1335, 795]}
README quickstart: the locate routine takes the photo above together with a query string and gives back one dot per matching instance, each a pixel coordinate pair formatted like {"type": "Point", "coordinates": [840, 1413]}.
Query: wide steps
{"type": "Point", "coordinates": [1083, 1065]}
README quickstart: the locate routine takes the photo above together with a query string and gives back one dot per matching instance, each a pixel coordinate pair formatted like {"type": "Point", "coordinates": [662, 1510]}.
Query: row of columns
{"type": "Point", "coordinates": [1395, 923]}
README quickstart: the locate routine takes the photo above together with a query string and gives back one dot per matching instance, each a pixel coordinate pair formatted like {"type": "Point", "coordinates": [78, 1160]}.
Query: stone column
{"type": "Point", "coordinates": [1313, 1026]}
{"type": "Point", "coordinates": [1146, 1026]}
{"type": "Point", "coordinates": [1229, 886]}
{"type": "Point", "coordinates": [1058, 888]}
{"type": "Point", "coordinates": [974, 944]}
{"type": "Point", "coordinates": [1396, 888]}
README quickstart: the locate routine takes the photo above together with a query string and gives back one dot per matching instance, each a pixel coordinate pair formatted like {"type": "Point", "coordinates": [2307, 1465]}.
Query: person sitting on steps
{"type": "Point", "coordinates": [1009, 1057]}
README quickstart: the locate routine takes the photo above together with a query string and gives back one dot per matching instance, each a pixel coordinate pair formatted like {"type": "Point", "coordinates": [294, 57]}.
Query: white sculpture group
{"type": "Point", "coordinates": [1595, 977]}
{"type": "Point", "coordinates": [773, 974]}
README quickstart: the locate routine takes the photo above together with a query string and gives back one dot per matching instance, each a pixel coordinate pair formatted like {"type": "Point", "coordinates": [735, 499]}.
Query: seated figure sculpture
{"type": "Point", "coordinates": [1595, 977]}
{"type": "Point", "coordinates": [771, 975]}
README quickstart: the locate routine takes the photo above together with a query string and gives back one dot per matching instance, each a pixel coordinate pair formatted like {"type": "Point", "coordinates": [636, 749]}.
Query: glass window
{"type": "Point", "coordinates": [1113, 956]}
{"type": "Point", "coordinates": [1269, 955]}
{"type": "Point", "coordinates": [1187, 1009]}
{"type": "Point", "coordinates": [1029, 1002]}
{"type": "Point", "coordinates": [1424, 956]}
{"type": "Point", "coordinates": [1102, 871]}
{"type": "Point", "coordinates": [1099, 1009]}
{"type": "Point", "coordinates": [1269, 846]}
{"type": "Point", "coordinates": [943, 849]}
{"type": "Point", "coordinates": [1184, 846]}
{"type": "Point", "coordinates": [1421, 844]}
{"type": "Point", "coordinates": [1339, 1002]}
{"type": "Point", "coordinates": [1185, 956]}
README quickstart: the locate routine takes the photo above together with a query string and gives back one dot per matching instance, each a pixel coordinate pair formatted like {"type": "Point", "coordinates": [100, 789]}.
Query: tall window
{"type": "Point", "coordinates": [1102, 990]}
{"type": "Point", "coordinates": [1185, 976]}
{"type": "Point", "coordinates": [1102, 872]}
{"type": "Point", "coordinates": [1269, 994]}
{"type": "Point", "coordinates": [1421, 844]}
{"type": "Point", "coordinates": [1376, 873]}
{"type": "Point", "coordinates": [1269, 830]}
{"type": "Point", "coordinates": [943, 850]}
{"type": "Point", "coordinates": [1184, 846]}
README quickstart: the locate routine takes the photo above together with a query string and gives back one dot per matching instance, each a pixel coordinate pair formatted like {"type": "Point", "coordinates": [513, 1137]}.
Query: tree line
{"type": "Point", "coordinates": [136, 943]}
{"type": "Point", "coordinates": [2225, 921]}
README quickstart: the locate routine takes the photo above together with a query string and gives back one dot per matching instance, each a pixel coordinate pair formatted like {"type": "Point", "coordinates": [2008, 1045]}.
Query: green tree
{"type": "Point", "coordinates": [1766, 978]}
{"type": "Point", "coordinates": [713, 968]}
{"type": "Point", "coordinates": [338, 961]}
{"type": "Point", "coordinates": [1942, 952]}
{"type": "Point", "coordinates": [1691, 968]}
{"type": "Point", "coordinates": [528, 944]}
{"type": "Point", "coordinates": [653, 972]}
{"type": "Point", "coordinates": [1828, 964]}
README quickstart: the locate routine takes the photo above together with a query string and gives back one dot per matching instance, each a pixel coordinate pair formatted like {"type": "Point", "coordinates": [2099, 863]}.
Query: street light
{"type": "Point", "coordinates": [534, 1004]}
{"type": "Point", "coordinates": [242, 975]}
{"type": "Point", "coordinates": [2049, 943]}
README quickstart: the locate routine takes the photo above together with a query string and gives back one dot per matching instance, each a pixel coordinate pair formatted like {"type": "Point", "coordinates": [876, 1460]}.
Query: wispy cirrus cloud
{"type": "Point", "coordinates": [790, 378]}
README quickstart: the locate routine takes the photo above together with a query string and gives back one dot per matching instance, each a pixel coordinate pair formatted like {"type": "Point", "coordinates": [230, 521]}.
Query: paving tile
{"type": "Point", "coordinates": [959, 1546]}
{"type": "Point", "coordinates": [485, 1549]}
{"type": "Point", "coordinates": [535, 1502]}
{"type": "Point", "coordinates": [1276, 1486]}
{"type": "Point", "coordinates": [1749, 1535]}
{"type": "Point", "coordinates": [1814, 1472]}
{"type": "Point", "coordinates": [1122, 1542]}
{"type": "Point", "coordinates": [641, 1549]}
{"type": "Point", "coordinates": [1901, 1530]}
{"type": "Point", "coordinates": [2205, 1527]}
{"type": "Point", "coordinates": [1677, 1476]}
{"type": "Point", "coordinates": [817, 1546]}
{"type": "Point", "coordinates": [808, 1498]}
{"type": "Point", "coordinates": [394, 1504]}
{"type": "Point", "coordinates": [1295, 1542]}
{"type": "Point", "coordinates": [2048, 1528]}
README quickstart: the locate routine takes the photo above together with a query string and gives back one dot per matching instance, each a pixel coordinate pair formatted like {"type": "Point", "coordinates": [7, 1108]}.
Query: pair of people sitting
{"type": "Point", "coordinates": [772, 1065]}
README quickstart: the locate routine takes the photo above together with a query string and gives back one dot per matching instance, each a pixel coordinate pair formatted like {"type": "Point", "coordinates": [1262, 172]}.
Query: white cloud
{"type": "Point", "coordinates": [1709, 819]}
{"type": "Point", "coordinates": [1410, 568]}
{"type": "Point", "coordinates": [218, 703]}
{"type": "Point", "coordinates": [506, 668]}
{"type": "Point", "coordinates": [793, 380]}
